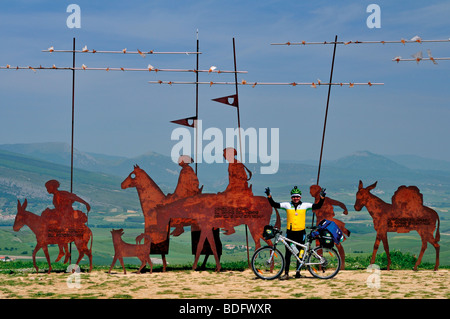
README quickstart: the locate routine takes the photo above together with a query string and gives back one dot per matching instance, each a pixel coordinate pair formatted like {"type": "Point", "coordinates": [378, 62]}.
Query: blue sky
{"type": "Point", "coordinates": [119, 113]}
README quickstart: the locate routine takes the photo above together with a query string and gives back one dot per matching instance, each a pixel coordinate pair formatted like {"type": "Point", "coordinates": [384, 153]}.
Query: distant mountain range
{"type": "Point", "coordinates": [24, 168]}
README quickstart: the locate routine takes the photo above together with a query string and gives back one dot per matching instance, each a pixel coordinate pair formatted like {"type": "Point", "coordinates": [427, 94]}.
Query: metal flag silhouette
{"type": "Point", "coordinates": [226, 100]}
{"type": "Point", "coordinates": [406, 213]}
{"type": "Point", "coordinates": [188, 121]}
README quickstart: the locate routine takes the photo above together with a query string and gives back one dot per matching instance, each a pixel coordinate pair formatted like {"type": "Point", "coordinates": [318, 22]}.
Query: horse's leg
{"type": "Point", "coordinates": [82, 249]}
{"type": "Point", "coordinates": [163, 257]}
{"type": "Point", "coordinates": [375, 248]}
{"type": "Point", "coordinates": [149, 262]}
{"type": "Point", "coordinates": [437, 247]}
{"type": "Point", "coordinates": [210, 237]}
{"type": "Point", "coordinates": [386, 249]}
{"type": "Point", "coordinates": [200, 244]}
{"type": "Point", "coordinates": [36, 249]}
{"type": "Point", "coordinates": [422, 250]}
{"type": "Point", "coordinates": [47, 256]}
{"type": "Point", "coordinates": [61, 252]}
{"type": "Point", "coordinates": [67, 258]}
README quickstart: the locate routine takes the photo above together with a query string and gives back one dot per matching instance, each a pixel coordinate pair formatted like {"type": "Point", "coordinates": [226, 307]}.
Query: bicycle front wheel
{"type": "Point", "coordinates": [324, 263]}
{"type": "Point", "coordinates": [268, 263]}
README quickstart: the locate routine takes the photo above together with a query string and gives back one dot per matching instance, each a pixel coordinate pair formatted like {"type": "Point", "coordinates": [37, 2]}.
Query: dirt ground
{"type": "Point", "coordinates": [177, 284]}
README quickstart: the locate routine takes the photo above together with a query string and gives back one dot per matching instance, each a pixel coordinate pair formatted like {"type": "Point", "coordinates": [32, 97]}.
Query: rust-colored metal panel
{"type": "Point", "coordinates": [327, 212]}
{"type": "Point", "coordinates": [61, 225]}
{"type": "Point", "coordinates": [187, 206]}
{"type": "Point", "coordinates": [123, 249]}
{"type": "Point", "coordinates": [406, 213]}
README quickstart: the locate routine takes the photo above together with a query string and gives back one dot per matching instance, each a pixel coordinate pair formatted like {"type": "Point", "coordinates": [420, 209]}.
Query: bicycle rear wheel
{"type": "Point", "coordinates": [324, 263]}
{"type": "Point", "coordinates": [268, 263]}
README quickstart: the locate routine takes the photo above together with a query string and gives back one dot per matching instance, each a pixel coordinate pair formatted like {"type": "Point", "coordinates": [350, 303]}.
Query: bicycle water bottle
{"type": "Point", "coordinates": [294, 249]}
{"type": "Point", "coordinates": [301, 253]}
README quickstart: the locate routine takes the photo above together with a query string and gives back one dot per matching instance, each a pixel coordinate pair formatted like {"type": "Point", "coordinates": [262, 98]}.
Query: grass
{"type": "Point", "coordinates": [399, 261]}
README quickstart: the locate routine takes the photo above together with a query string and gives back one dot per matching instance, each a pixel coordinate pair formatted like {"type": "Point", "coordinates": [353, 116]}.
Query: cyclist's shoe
{"type": "Point", "coordinates": [297, 275]}
{"type": "Point", "coordinates": [284, 277]}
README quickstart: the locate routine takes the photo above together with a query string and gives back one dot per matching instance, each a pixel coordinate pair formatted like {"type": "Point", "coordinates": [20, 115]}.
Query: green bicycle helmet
{"type": "Point", "coordinates": [296, 192]}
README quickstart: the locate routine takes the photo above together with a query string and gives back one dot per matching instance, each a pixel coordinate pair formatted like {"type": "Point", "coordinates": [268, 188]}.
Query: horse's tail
{"type": "Point", "coordinates": [92, 239]}
{"type": "Point", "coordinates": [437, 237]}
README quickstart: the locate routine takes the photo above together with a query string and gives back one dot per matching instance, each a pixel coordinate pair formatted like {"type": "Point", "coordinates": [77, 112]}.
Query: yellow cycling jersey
{"type": "Point", "coordinates": [296, 217]}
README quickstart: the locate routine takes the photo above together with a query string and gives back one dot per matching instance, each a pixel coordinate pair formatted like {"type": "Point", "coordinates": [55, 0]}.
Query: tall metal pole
{"type": "Point", "coordinates": [325, 121]}
{"type": "Point", "coordinates": [237, 97]}
{"type": "Point", "coordinates": [240, 143]}
{"type": "Point", "coordinates": [196, 109]}
{"type": "Point", "coordinates": [73, 116]}
{"type": "Point", "coordinates": [73, 120]}
{"type": "Point", "coordinates": [326, 111]}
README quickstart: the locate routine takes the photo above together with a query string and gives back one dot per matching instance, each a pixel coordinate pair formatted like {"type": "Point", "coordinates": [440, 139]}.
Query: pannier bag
{"type": "Point", "coordinates": [329, 233]}
{"type": "Point", "coordinates": [268, 232]}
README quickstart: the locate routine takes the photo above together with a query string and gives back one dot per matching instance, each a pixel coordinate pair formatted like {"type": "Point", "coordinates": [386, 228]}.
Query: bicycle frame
{"type": "Point", "coordinates": [306, 247]}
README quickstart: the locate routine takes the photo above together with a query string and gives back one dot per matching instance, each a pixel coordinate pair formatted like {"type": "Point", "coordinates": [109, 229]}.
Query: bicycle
{"type": "Point", "coordinates": [322, 262]}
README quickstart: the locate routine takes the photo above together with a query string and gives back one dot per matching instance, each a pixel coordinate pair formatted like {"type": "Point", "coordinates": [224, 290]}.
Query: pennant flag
{"type": "Point", "coordinates": [226, 100]}
{"type": "Point", "coordinates": [186, 121]}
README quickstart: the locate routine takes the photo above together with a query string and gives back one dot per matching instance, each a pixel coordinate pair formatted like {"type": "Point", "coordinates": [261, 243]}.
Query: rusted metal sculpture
{"type": "Point", "coordinates": [150, 196]}
{"type": "Point", "coordinates": [205, 212]}
{"type": "Point", "coordinates": [52, 228]}
{"type": "Point", "coordinates": [123, 249]}
{"type": "Point", "coordinates": [327, 212]}
{"type": "Point", "coordinates": [233, 207]}
{"type": "Point", "coordinates": [406, 213]}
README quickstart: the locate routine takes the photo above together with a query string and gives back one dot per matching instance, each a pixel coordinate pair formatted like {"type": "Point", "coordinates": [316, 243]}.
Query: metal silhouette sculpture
{"type": "Point", "coordinates": [48, 232]}
{"type": "Point", "coordinates": [150, 195]}
{"type": "Point", "coordinates": [237, 174]}
{"type": "Point", "coordinates": [123, 249]}
{"type": "Point", "coordinates": [204, 212]}
{"type": "Point", "coordinates": [233, 207]}
{"type": "Point", "coordinates": [327, 212]}
{"type": "Point", "coordinates": [406, 213]}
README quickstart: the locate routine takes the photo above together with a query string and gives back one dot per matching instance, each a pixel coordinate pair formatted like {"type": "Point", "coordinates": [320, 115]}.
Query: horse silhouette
{"type": "Point", "coordinates": [327, 212]}
{"type": "Point", "coordinates": [45, 235]}
{"type": "Point", "coordinates": [202, 211]}
{"type": "Point", "coordinates": [150, 195]}
{"type": "Point", "coordinates": [406, 213]}
{"type": "Point", "coordinates": [223, 210]}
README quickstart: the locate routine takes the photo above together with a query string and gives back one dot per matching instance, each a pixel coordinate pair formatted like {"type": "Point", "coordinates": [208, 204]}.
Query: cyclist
{"type": "Point", "coordinates": [296, 217]}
